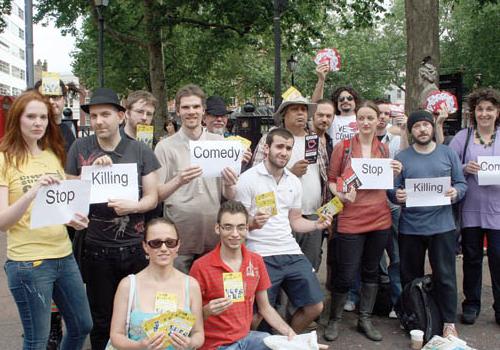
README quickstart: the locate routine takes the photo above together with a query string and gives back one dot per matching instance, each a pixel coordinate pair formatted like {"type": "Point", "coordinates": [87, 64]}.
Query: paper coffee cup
{"type": "Point", "coordinates": [417, 339]}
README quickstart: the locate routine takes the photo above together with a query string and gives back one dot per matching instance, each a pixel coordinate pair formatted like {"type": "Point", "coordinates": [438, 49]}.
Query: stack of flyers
{"type": "Point", "coordinates": [168, 323]}
{"type": "Point", "coordinates": [165, 302]}
{"type": "Point", "coordinates": [330, 56]}
{"type": "Point", "coordinates": [333, 207]}
{"type": "Point", "coordinates": [266, 203]}
{"type": "Point", "coordinates": [145, 134]}
{"type": "Point", "coordinates": [348, 181]}
{"type": "Point", "coordinates": [438, 99]}
{"type": "Point", "coordinates": [291, 94]}
{"type": "Point", "coordinates": [311, 148]}
{"type": "Point", "coordinates": [245, 142]}
{"type": "Point", "coordinates": [233, 286]}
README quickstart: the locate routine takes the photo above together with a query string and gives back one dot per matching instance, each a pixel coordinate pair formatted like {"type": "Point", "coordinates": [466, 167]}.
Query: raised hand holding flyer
{"type": "Point", "coordinates": [311, 148]}
{"type": "Point", "coordinates": [330, 56]}
{"type": "Point", "coordinates": [233, 286]}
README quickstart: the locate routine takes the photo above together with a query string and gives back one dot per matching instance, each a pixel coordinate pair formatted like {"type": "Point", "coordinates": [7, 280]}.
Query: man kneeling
{"type": "Point", "coordinates": [231, 278]}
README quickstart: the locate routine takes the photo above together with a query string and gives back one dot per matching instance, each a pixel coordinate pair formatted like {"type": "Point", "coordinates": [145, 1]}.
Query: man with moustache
{"type": "Point", "coordinates": [227, 322]}
{"type": "Point", "coordinates": [113, 240]}
{"type": "Point", "coordinates": [216, 115]}
{"type": "Point", "coordinates": [271, 235]}
{"type": "Point", "coordinates": [190, 200]}
{"type": "Point", "coordinates": [429, 228]}
{"type": "Point", "coordinates": [322, 121]}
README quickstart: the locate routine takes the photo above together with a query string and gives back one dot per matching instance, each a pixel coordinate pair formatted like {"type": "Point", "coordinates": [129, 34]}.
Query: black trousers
{"type": "Point", "coordinates": [441, 250]}
{"type": "Point", "coordinates": [353, 253]}
{"type": "Point", "coordinates": [102, 270]}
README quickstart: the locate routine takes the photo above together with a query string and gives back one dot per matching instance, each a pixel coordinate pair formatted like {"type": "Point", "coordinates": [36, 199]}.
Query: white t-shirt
{"type": "Point", "coordinates": [275, 237]}
{"type": "Point", "coordinates": [311, 180]}
{"type": "Point", "coordinates": [343, 127]}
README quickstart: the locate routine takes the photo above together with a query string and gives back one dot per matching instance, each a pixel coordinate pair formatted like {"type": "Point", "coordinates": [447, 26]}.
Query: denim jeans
{"type": "Point", "coordinates": [34, 284]}
{"type": "Point", "coordinates": [472, 247]}
{"type": "Point", "coordinates": [103, 269]}
{"type": "Point", "coordinates": [441, 251]}
{"type": "Point", "coordinates": [358, 252]}
{"type": "Point", "coordinates": [253, 341]}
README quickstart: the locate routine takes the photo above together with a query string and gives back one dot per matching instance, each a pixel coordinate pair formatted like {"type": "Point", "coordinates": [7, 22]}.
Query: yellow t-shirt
{"type": "Point", "coordinates": [23, 243]}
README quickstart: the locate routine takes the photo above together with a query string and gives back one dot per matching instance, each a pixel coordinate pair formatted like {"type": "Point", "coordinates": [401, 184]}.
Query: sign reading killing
{"type": "Point", "coordinates": [427, 192]}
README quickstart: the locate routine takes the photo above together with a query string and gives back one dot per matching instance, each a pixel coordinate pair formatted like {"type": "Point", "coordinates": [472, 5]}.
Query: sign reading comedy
{"type": "Point", "coordinates": [490, 171]}
{"type": "Point", "coordinates": [213, 156]}
{"type": "Point", "coordinates": [116, 181]}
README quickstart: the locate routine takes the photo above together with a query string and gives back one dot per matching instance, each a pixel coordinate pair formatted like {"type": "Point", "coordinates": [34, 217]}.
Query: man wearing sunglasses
{"type": "Point", "coordinates": [227, 321]}
{"type": "Point", "coordinates": [140, 109]}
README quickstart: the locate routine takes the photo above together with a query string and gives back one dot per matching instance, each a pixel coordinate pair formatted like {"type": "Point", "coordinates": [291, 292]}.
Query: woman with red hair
{"type": "Point", "coordinates": [40, 265]}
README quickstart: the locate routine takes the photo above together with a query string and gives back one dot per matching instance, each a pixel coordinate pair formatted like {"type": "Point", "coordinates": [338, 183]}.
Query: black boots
{"type": "Point", "coordinates": [336, 308]}
{"type": "Point", "coordinates": [368, 295]}
{"type": "Point", "coordinates": [55, 334]}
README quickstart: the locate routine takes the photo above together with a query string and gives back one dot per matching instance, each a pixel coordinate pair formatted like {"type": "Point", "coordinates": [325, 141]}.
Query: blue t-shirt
{"type": "Point", "coordinates": [441, 162]}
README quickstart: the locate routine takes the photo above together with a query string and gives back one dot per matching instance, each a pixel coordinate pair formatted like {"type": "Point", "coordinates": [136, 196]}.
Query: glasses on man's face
{"type": "Point", "coordinates": [346, 98]}
{"type": "Point", "coordinates": [143, 112]}
{"type": "Point", "coordinates": [157, 243]}
{"type": "Point", "coordinates": [231, 228]}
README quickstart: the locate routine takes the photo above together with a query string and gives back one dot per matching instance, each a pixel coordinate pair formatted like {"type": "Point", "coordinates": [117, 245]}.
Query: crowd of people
{"type": "Point", "coordinates": [187, 233]}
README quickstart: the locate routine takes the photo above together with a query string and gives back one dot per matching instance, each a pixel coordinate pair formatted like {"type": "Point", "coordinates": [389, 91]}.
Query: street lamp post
{"type": "Point", "coordinates": [291, 64]}
{"type": "Point", "coordinates": [100, 5]}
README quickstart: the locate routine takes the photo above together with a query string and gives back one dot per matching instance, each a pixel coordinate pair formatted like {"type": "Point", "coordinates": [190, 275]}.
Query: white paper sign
{"type": "Point", "coordinates": [427, 192]}
{"type": "Point", "coordinates": [116, 181]}
{"type": "Point", "coordinates": [213, 156]}
{"type": "Point", "coordinates": [57, 204]}
{"type": "Point", "coordinates": [490, 171]}
{"type": "Point", "coordinates": [374, 173]}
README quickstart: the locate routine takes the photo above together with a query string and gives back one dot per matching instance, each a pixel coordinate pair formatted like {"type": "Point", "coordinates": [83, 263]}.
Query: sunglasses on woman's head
{"type": "Point", "coordinates": [348, 98]}
{"type": "Point", "coordinates": [157, 243]}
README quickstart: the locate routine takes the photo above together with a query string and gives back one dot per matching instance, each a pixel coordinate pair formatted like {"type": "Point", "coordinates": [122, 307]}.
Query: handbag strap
{"type": "Point", "coordinates": [130, 301]}
{"type": "Point", "coordinates": [467, 139]}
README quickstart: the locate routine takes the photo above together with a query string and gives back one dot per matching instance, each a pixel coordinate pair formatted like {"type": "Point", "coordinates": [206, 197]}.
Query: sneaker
{"type": "Point", "coordinates": [393, 314]}
{"type": "Point", "coordinates": [449, 329]}
{"type": "Point", "coordinates": [469, 316]}
{"type": "Point", "coordinates": [349, 306]}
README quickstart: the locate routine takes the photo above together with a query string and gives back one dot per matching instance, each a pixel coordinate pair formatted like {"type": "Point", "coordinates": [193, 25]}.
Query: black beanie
{"type": "Point", "coordinates": [418, 116]}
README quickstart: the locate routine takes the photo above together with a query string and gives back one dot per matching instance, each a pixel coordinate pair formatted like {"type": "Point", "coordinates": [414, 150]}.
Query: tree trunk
{"type": "Point", "coordinates": [156, 66]}
{"type": "Point", "coordinates": [422, 36]}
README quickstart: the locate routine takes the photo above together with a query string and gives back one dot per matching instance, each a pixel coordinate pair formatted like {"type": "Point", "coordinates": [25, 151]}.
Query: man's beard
{"type": "Point", "coordinates": [423, 143]}
{"type": "Point", "coordinates": [218, 131]}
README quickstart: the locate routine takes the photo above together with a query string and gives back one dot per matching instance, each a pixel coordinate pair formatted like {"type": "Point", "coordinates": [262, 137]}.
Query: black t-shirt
{"type": "Point", "coordinates": [106, 228]}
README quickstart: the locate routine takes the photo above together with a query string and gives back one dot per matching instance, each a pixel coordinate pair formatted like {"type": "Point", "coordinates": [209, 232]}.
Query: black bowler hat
{"type": "Point", "coordinates": [103, 96]}
{"type": "Point", "coordinates": [216, 106]}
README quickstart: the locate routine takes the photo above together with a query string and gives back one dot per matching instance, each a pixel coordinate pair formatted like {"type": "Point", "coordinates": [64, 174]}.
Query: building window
{"type": "Point", "coordinates": [4, 67]}
{"type": "Point", "coordinates": [4, 89]}
{"type": "Point", "coordinates": [21, 33]}
{"type": "Point", "coordinates": [21, 54]}
{"type": "Point", "coordinates": [20, 13]}
{"type": "Point", "coordinates": [18, 73]}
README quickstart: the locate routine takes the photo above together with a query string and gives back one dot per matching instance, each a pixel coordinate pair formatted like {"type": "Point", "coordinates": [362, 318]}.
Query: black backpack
{"type": "Point", "coordinates": [416, 308]}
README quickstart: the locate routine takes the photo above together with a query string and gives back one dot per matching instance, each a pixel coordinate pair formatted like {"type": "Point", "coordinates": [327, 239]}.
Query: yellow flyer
{"type": "Point", "coordinates": [157, 324]}
{"type": "Point", "coordinates": [165, 302]}
{"type": "Point", "coordinates": [331, 208]}
{"type": "Point", "coordinates": [266, 202]}
{"type": "Point", "coordinates": [145, 134]}
{"type": "Point", "coordinates": [291, 94]}
{"type": "Point", "coordinates": [233, 286]}
{"type": "Point", "coordinates": [245, 142]}
{"type": "Point", "coordinates": [182, 322]}
{"type": "Point", "coordinates": [50, 84]}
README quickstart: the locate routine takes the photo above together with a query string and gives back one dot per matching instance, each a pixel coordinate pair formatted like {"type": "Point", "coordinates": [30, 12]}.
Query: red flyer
{"type": "Point", "coordinates": [347, 181]}
{"type": "Point", "coordinates": [437, 99]}
{"type": "Point", "coordinates": [331, 56]}
{"type": "Point", "coordinates": [311, 148]}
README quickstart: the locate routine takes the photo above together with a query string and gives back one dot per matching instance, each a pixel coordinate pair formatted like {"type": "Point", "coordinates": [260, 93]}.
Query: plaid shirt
{"type": "Point", "coordinates": [323, 162]}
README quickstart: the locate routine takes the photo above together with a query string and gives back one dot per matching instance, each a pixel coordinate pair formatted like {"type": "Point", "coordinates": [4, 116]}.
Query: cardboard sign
{"type": "Point", "coordinates": [144, 134]}
{"type": "Point", "coordinates": [214, 156]}
{"type": "Point", "coordinates": [437, 99]}
{"type": "Point", "coordinates": [333, 207]}
{"type": "Point", "coordinates": [57, 204]}
{"type": "Point", "coordinates": [311, 148]}
{"type": "Point", "coordinates": [330, 56]}
{"type": "Point", "coordinates": [233, 286]}
{"type": "Point", "coordinates": [266, 203]}
{"type": "Point", "coordinates": [116, 181]}
{"type": "Point", "coordinates": [50, 84]}
{"type": "Point", "coordinates": [490, 171]}
{"type": "Point", "coordinates": [374, 173]}
{"type": "Point", "coordinates": [427, 192]}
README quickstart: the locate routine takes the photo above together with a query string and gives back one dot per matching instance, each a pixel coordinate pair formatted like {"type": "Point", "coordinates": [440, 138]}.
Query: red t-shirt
{"type": "Point", "coordinates": [233, 324]}
{"type": "Point", "coordinates": [370, 211]}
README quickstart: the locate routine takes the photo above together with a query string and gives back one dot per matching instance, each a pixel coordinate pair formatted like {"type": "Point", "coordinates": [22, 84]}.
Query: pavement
{"type": "Point", "coordinates": [483, 335]}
